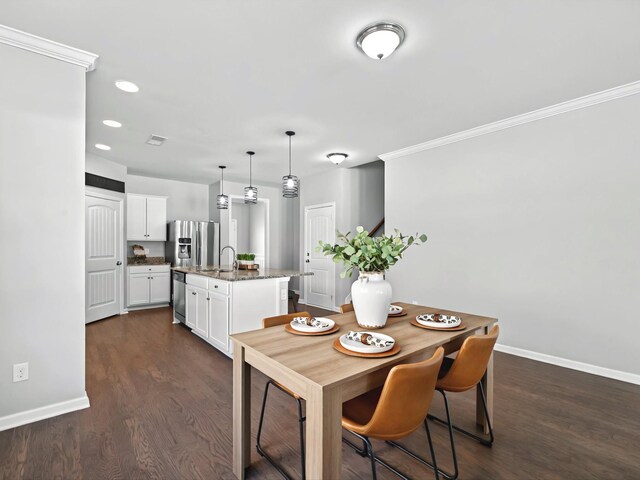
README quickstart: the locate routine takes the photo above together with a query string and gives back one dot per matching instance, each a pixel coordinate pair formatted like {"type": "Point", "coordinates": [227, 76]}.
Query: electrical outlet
{"type": "Point", "coordinates": [20, 372]}
{"type": "Point", "coordinates": [146, 251]}
{"type": "Point", "coordinates": [284, 294]}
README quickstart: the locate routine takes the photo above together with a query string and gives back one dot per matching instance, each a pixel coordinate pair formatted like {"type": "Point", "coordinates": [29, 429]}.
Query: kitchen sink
{"type": "Point", "coordinates": [216, 270]}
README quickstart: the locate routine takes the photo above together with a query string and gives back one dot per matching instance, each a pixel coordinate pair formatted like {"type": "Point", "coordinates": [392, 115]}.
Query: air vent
{"type": "Point", "coordinates": [156, 140]}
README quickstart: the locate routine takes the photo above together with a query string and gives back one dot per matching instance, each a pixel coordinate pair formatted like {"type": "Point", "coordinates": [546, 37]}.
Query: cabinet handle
{"type": "Point", "coordinates": [208, 299]}
{"type": "Point", "coordinates": [148, 278]}
{"type": "Point", "coordinates": [193, 293]}
{"type": "Point", "coordinates": [215, 286]}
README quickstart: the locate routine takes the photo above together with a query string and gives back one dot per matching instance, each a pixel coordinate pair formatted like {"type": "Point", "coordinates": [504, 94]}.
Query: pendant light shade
{"type": "Point", "coordinates": [250, 192]}
{"type": "Point", "coordinates": [290, 183]}
{"type": "Point", "coordinates": [222, 200]}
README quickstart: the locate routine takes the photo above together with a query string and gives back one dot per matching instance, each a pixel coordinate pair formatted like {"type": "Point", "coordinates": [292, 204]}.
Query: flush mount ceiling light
{"type": "Point", "coordinates": [127, 86]}
{"type": "Point", "coordinates": [222, 200]}
{"type": "Point", "coordinates": [250, 192]}
{"type": "Point", "coordinates": [290, 183]}
{"type": "Point", "coordinates": [102, 146]}
{"type": "Point", "coordinates": [337, 158]}
{"type": "Point", "coordinates": [112, 123]}
{"type": "Point", "coordinates": [380, 40]}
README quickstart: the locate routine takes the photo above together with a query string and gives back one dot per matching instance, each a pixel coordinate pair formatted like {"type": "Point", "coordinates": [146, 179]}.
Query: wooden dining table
{"type": "Point", "coordinates": [326, 378]}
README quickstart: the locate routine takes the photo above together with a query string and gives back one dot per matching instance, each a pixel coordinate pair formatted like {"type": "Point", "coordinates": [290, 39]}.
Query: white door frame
{"type": "Point", "coordinates": [304, 247]}
{"type": "Point", "coordinates": [99, 193]}
{"type": "Point", "coordinates": [267, 227]}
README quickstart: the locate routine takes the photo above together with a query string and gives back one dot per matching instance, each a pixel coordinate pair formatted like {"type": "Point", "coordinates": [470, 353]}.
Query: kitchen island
{"type": "Point", "coordinates": [221, 302]}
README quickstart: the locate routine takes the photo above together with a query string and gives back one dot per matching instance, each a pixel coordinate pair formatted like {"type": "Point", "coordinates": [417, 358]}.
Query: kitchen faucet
{"type": "Point", "coordinates": [235, 258]}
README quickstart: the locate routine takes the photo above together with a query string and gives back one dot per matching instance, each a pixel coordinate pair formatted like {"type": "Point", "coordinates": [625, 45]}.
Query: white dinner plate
{"type": "Point", "coordinates": [309, 329]}
{"type": "Point", "coordinates": [422, 320]}
{"type": "Point", "coordinates": [395, 310]}
{"type": "Point", "coordinates": [362, 348]}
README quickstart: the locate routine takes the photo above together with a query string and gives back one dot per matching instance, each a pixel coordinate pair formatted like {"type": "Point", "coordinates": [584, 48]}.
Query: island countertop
{"type": "Point", "coordinates": [262, 274]}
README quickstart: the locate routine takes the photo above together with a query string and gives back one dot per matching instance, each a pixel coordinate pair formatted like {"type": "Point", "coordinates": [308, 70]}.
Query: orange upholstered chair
{"type": "Point", "coordinates": [395, 410]}
{"type": "Point", "coordinates": [266, 323]}
{"type": "Point", "coordinates": [346, 307]}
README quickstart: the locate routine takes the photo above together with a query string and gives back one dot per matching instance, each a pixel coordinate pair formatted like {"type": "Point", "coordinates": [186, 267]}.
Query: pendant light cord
{"type": "Point", "coordinates": [289, 155]}
{"type": "Point", "coordinates": [250, 170]}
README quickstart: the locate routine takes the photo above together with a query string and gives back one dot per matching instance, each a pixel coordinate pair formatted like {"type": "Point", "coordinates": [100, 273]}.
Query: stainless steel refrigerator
{"type": "Point", "coordinates": [193, 244]}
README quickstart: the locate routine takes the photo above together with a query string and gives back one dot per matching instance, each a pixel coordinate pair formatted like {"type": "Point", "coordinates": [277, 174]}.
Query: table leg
{"type": "Point", "coordinates": [487, 384]}
{"type": "Point", "coordinates": [241, 412]}
{"type": "Point", "coordinates": [324, 434]}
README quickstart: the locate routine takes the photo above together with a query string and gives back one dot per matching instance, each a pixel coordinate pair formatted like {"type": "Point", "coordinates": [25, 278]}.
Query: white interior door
{"type": "Point", "coordinates": [103, 250]}
{"type": "Point", "coordinates": [320, 287]}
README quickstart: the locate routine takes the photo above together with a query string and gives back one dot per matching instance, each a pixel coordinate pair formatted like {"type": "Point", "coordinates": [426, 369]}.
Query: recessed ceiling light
{"type": "Point", "coordinates": [101, 146]}
{"type": "Point", "coordinates": [337, 158]}
{"type": "Point", "coordinates": [126, 86]}
{"type": "Point", "coordinates": [380, 40]}
{"type": "Point", "coordinates": [112, 123]}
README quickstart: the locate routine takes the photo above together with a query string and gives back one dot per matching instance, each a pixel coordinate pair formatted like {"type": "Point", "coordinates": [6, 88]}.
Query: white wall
{"type": "Point", "coordinates": [242, 216]}
{"type": "Point", "coordinates": [105, 168]}
{"type": "Point", "coordinates": [42, 122]}
{"type": "Point", "coordinates": [186, 201]}
{"type": "Point", "coordinates": [359, 196]}
{"type": "Point", "coordinates": [537, 225]}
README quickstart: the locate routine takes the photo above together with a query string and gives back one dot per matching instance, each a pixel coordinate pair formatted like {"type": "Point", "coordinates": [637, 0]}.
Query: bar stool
{"type": "Point", "coordinates": [266, 323]}
{"type": "Point", "coordinates": [460, 375]}
{"type": "Point", "coordinates": [346, 307]}
{"type": "Point", "coordinates": [395, 410]}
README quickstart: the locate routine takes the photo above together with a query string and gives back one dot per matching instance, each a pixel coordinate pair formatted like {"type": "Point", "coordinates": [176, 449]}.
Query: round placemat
{"type": "Point", "coordinates": [389, 353]}
{"type": "Point", "coordinates": [415, 323]}
{"type": "Point", "coordinates": [290, 329]}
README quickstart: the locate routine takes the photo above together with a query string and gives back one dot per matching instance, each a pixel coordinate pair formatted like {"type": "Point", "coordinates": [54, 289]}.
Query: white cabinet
{"type": "Point", "coordinates": [197, 310]}
{"type": "Point", "coordinates": [160, 288]}
{"type": "Point", "coordinates": [148, 285]}
{"type": "Point", "coordinates": [146, 218]}
{"type": "Point", "coordinates": [219, 321]}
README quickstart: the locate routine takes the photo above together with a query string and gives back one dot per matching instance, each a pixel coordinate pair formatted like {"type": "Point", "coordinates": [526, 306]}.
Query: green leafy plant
{"type": "Point", "coordinates": [369, 254]}
{"type": "Point", "coordinates": [249, 257]}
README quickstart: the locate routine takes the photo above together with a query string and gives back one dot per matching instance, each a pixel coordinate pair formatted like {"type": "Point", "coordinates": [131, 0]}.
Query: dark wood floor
{"type": "Point", "coordinates": [161, 408]}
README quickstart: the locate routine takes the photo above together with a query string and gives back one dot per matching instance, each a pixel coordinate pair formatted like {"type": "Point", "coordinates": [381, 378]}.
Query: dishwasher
{"type": "Point", "coordinates": [179, 288]}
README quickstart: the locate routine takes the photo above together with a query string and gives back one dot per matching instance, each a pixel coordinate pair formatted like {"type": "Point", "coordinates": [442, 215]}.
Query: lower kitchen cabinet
{"type": "Point", "coordinates": [219, 320]}
{"type": "Point", "coordinates": [197, 310]}
{"type": "Point", "coordinates": [148, 285]}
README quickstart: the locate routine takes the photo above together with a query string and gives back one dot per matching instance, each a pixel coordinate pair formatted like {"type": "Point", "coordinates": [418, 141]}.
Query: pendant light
{"type": "Point", "coordinates": [222, 201]}
{"type": "Point", "coordinates": [290, 183]}
{"type": "Point", "coordinates": [250, 192]}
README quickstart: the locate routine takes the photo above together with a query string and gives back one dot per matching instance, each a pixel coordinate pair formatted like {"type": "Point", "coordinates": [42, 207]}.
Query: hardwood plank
{"type": "Point", "coordinates": [554, 423]}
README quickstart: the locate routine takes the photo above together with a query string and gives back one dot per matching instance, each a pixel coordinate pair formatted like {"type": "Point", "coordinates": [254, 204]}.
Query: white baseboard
{"type": "Point", "coordinates": [40, 413]}
{"type": "Point", "coordinates": [333, 309]}
{"type": "Point", "coordinates": [572, 364]}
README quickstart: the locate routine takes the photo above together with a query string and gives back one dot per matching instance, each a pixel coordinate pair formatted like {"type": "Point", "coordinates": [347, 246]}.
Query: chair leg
{"type": "Point", "coordinates": [483, 441]}
{"type": "Point", "coordinates": [259, 448]}
{"type": "Point", "coordinates": [301, 420]}
{"type": "Point", "coordinates": [439, 471]}
{"type": "Point", "coordinates": [433, 453]}
{"type": "Point", "coordinates": [372, 457]}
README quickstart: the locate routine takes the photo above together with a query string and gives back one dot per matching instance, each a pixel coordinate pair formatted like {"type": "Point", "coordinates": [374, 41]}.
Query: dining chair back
{"type": "Point", "coordinates": [470, 363]}
{"type": "Point", "coordinates": [404, 400]}
{"type": "Point", "coordinates": [346, 307]}
{"type": "Point", "coordinates": [282, 319]}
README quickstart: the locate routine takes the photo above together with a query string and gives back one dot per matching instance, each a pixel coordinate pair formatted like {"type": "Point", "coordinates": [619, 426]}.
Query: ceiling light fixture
{"type": "Point", "coordinates": [102, 146]}
{"type": "Point", "coordinates": [250, 192]}
{"type": "Point", "coordinates": [380, 40]}
{"type": "Point", "coordinates": [290, 183]}
{"type": "Point", "coordinates": [127, 86]}
{"type": "Point", "coordinates": [222, 200]}
{"type": "Point", "coordinates": [337, 158]}
{"type": "Point", "coordinates": [112, 123]}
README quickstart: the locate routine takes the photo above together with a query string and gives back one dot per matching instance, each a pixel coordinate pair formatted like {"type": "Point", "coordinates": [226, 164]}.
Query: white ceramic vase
{"type": "Point", "coordinates": [371, 296]}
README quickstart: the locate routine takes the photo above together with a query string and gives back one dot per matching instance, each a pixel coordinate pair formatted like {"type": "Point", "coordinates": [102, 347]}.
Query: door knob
{"type": "Point", "coordinates": [118, 262]}
{"type": "Point", "coordinates": [306, 261]}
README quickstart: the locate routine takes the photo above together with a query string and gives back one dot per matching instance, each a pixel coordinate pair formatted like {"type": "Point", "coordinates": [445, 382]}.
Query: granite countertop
{"type": "Point", "coordinates": [147, 261]}
{"type": "Point", "coordinates": [262, 274]}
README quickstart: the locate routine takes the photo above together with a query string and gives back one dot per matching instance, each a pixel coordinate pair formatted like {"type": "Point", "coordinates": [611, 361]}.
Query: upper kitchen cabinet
{"type": "Point", "coordinates": [146, 217]}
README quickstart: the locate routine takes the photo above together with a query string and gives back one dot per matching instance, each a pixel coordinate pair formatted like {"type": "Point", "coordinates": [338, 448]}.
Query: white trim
{"type": "Point", "coordinates": [568, 106]}
{"type": "Point", "coordinates": [49, 48]}
{"type": "Point", "coordinates": [572, 364]}
{"type": "Point", "coordinates": [333, 308]}
{"type": "Point", "coordinates": [40, 413]}
{"type": "Point", "coordinates": [304, 247]}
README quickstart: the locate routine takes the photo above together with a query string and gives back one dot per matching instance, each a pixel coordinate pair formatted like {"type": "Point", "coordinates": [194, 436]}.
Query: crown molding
{"type": "Point", "coordinates": [49, 48]}
{"type": "Point", "coordinates": [564, 107]}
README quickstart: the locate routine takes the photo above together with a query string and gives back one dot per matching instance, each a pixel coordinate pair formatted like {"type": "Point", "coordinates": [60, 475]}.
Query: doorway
{"type": "Point", "coordinates": [319, 224]}
{"type": "Point", "coordinates": [103, 256]}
